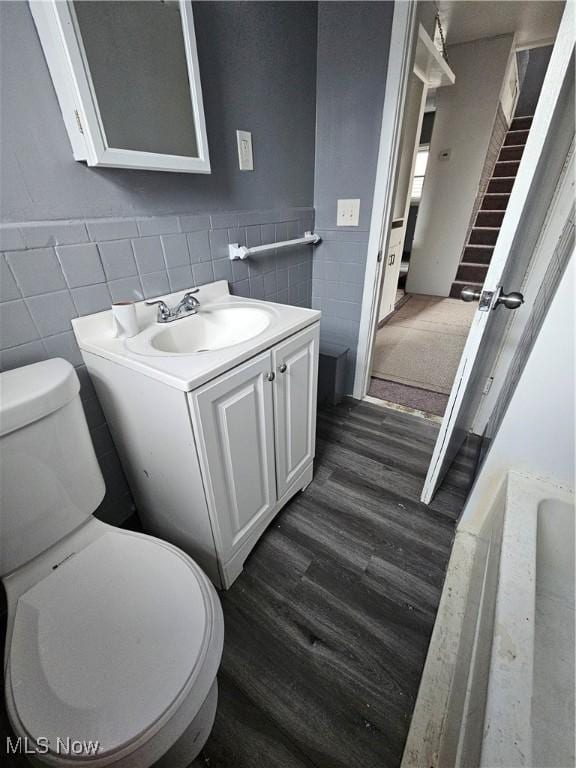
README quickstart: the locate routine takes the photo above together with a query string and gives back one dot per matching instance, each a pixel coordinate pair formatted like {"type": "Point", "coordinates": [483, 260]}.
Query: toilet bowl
{"type": "Point", "coordinates": [114, 638]}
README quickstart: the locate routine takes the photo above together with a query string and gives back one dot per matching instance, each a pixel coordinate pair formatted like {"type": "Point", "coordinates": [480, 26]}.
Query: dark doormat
{"type": "Point", "coordinates": [411, 397]}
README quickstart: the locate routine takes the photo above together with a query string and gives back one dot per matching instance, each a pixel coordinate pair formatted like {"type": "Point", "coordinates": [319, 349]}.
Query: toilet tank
{"type": "Point", "coordinates": [50, 481]}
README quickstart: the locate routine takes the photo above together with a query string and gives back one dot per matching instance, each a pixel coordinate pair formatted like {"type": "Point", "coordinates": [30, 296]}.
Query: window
{"type": "Point", "coordinates": [419, 173]}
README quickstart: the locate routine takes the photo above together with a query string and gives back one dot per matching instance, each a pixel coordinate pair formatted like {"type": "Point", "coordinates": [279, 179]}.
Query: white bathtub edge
{"type": "Point", "coordinates": [428, 735]}
{"type": "Point", "coordinates": [446, 727]}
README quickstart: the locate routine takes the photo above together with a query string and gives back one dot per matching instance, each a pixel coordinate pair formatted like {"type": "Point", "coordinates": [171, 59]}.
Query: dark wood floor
{"type": "Point", "coordinates": [328, 626]}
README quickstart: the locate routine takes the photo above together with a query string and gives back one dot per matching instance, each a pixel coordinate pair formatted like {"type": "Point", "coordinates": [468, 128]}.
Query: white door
{"type": "Point", "coordinates": [234, 425]}
{"type": "Point", "coordinates": [548, 142]}
{"type": "Point", "coordinates": [295, 363]}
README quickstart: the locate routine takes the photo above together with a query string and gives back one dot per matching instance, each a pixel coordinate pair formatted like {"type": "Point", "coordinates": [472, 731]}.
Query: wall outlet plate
{"type": "Point", "coordinates": [245, 156]}
{"type": "Point", "coordinates": [348, 213]}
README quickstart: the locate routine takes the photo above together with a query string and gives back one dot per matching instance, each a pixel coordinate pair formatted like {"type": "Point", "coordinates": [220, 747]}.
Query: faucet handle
{"type": "Point", "coordinates": [163, 309]}
{"type": "Point", "coordinates": [189, 301]}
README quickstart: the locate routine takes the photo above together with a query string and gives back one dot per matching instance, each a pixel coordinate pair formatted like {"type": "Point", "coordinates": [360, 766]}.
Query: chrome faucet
{"type": "Point", "coordinates": [187, 306]}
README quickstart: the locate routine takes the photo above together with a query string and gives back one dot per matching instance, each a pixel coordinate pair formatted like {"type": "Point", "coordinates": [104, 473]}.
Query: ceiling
{"type": "Point", "coordinates": [535, 21]}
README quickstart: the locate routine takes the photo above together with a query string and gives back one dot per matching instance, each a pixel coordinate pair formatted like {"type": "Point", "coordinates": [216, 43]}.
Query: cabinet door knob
{"type": "Point", "coordinates": [271, 376]}
{"type": "Point", "coordinates": [283, 368]}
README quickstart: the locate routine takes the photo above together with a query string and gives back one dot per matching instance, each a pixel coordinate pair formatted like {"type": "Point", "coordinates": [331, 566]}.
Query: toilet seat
{"type": "Point", "coordinates": [68, 678]}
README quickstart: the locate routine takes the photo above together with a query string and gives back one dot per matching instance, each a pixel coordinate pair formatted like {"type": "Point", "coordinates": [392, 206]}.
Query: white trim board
{"type": "Point", "coordinates": [402, 43]}
{"type": "Point", "coordinates": [412, 52]}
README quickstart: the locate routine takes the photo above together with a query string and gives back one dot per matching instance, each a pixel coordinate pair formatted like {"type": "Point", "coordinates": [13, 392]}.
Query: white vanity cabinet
{"type": "Point", "coordinates": [213, 442]}
{"type": "Point", "coordinates": [213, 445]}
{"type": "Point", "coordinates": [255, 435]}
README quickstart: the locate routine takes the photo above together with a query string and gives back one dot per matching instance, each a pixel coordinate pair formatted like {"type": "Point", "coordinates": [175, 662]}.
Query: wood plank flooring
{"type": "Point", "coordinates": [328, 626]}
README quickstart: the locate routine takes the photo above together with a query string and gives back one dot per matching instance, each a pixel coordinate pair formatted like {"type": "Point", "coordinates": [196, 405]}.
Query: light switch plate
{"type": "Point", "coordinates": [245, 157]}
{"type": "Point", "coordinates": [348, 213]}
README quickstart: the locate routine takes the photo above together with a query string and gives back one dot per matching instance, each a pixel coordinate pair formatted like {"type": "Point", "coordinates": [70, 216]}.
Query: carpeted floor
{"type": "Point", "coordinates": [421, 345]}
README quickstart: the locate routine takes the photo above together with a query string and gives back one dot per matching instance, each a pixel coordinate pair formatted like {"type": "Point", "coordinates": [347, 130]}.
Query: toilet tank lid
{"type": "Point", "coordinates": [33, 391]}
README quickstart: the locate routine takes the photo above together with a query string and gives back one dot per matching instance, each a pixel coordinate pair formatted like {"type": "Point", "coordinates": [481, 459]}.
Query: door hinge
{"type": "Point", "coordinates": [379, 255]}
{"type": "Point", "coordinates": [487, 385]}
{"type": "Point", "coordinates": [79, 122]}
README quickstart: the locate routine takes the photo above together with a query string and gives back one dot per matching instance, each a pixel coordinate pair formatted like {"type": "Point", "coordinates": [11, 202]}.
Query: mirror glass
{"type": "Point", "coordinates": [137, 61]}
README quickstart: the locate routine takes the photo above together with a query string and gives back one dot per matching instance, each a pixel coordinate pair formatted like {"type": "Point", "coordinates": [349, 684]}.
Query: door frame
{"type": "Point", "coordinates": [412, 52]}
{"type": "Point", "coordinates": [402, 46]}
{"type": "Point", "coordinates": [400, 66]}
{"type": "Point", "coordinates": [457, 420]}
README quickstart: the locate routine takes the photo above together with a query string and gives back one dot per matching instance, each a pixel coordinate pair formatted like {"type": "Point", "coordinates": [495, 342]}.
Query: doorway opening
{"type": "Point", "coordinates": [461, 142]}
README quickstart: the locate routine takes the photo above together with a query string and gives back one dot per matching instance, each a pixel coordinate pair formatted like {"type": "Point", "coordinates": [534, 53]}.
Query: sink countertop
{"type": "Point", "coordinates": [189, 371]}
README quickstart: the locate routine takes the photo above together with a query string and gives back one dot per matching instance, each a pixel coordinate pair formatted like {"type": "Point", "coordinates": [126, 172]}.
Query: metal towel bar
{"type": "Point", "coordinates": [241, 251]}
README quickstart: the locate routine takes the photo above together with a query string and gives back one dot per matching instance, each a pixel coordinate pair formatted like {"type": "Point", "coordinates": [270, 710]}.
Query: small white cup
{"type": "Point", "coordinates": [124, 321]}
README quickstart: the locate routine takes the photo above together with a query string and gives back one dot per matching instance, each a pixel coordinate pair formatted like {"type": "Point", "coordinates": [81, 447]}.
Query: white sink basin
{"type": "Point", "coordinates": [187, 353]}
{"type": "Point", "coordinates": [210, 329]}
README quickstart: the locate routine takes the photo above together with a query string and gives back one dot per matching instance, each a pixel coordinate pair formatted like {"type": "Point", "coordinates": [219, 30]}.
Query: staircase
{"type": "Point", "coordinates": [484, 232]}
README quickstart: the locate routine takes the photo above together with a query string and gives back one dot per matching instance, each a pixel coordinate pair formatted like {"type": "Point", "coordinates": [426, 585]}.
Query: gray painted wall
{"type": "Point", "coordinates": [74, 238]}
{"type": "Point", "coordinates": [353, 44]}
{"type": "Point", "coordinates": [257, 65]}
{"type": "Point", "coordinates": [532, 66]}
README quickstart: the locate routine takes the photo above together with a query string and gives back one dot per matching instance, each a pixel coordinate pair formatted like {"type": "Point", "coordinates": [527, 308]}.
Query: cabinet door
{"type": "Point", "coordinates": [390, 280]}
{"type": "Point", "coordinates": [296, 366]}
{"type": "Point", "coordinates": [234, 424]}
{"type": "Point", "coordinates": [127, 80]}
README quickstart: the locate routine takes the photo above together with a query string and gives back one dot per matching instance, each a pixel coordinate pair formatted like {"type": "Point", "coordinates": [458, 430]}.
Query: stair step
{"type": "Point", "coordinates": [493, 201]}
{"type": "Point", "coordinates": [500, 185]}
{"type": "Point", "coordinates": [508, 168]}
{"type": "Point", "coordinates": [516, 137]}
{"type": "Point", "coordinates": [483, 236]}
{"type": "Point", "coordinates": [521, 123]}
{"type": "Point", "coordinates": [457, 286]}
{"type": "Point", "coordinates": [472, 273]}
{"type": "Point", "coordinates": [478, 254]}
{"type": "Point", "coordinates": [472, 264]}
{"type": "Point", "coordinates": [489, 219]}
{"type": "Point", "coordinates": [511, 153]}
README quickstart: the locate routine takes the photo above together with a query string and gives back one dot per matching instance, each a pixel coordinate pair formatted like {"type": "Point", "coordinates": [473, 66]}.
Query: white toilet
{"type": "Point", "coordinates": [113, 637]}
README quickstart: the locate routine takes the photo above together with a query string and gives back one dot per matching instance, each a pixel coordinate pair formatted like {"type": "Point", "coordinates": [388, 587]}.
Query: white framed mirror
{"type": "Point", "coordinates": [128, 83]}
